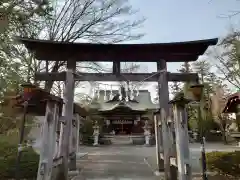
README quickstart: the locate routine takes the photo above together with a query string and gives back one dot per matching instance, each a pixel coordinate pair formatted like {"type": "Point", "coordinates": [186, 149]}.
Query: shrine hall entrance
{"type": "Point", "coordinates": [122, 127]}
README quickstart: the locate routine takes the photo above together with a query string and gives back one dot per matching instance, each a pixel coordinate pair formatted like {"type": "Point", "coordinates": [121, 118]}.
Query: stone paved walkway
{"type": "Point", "coordinates": [115, 163]}
{"type": "Point", "coordinates": [126, 162]}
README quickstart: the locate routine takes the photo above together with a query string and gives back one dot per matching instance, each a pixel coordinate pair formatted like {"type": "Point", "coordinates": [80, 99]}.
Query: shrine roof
{"type": "Point", "coordinates": [142, 102]}
{"type": "Point", "coordinates": [232, 102]}
{"type": "Point", "coordinates": [122, 108]}
{"type": "Point", "coordinates": [171, 52]}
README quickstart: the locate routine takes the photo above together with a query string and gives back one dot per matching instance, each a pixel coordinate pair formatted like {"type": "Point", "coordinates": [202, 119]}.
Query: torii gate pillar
{"type": "Point", "coordinates": [68, 116]}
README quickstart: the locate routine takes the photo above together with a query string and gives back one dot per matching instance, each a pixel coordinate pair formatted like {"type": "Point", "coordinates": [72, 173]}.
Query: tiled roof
{"type": "Point", "coordinates": [142, 101]}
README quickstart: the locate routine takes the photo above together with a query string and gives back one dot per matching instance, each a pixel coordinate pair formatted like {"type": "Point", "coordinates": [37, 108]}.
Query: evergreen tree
{"type": "Point", "coordinates": [203, 68]}
{"type": "Point", "coordinates": [24, 18]}
{"type": "Point", "coordinates": [210, 81]}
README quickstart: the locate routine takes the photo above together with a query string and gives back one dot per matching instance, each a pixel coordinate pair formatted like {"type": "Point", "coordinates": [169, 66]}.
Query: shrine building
{"type": "Point", "coordinates": [124, 113]}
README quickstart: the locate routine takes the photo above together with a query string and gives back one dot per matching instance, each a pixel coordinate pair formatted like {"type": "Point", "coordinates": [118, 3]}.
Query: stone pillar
{"type": "Point", "coordinates": [48, 141]}
{"type": "Point", "coordinates": [147, 133]}
{"type": "Point", "coordinates": [95, 134]}
{"type": "Point", "coordinates": [182, 139]}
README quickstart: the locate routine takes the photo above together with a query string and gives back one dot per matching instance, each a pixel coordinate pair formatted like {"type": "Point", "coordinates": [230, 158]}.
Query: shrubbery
{"type": "Point", "coordinates": [87, 132]}
{"type": "Point", "coordinates": [226, 163]}
{"type": "Point", "coordinates": [8, 155]}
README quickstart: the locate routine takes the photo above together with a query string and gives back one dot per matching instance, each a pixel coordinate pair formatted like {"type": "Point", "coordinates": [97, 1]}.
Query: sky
{"type": "Point", "coordinates": [183, 20]}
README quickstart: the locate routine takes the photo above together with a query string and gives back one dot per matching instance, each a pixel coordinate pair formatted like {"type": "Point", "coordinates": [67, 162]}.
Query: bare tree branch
{"type": "Point", "coordinates": [98, 21]}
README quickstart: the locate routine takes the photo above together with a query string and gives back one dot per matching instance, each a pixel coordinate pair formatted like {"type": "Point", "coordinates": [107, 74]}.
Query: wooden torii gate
{"type": "Point", "coordinates": [161, 53]}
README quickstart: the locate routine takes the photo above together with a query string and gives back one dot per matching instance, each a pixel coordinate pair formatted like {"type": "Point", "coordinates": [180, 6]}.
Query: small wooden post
{"type": "Point", "coordinates": [57, 145]}
{"type": "Point", "coordinates": [186, 137]}
{"type": "Point", "coordinates": [58, 134]}
{"type": "Point", "coordinates": [78, 132]}
{"type": "Point", "coordinates": [182, 139]}
{"type": "Point", "coordinates": [158, 140]}
{"type": "Point", "coordinates": [62, 123]}
{"type": "Point", "coordinates": [60, 140]}
{"type": "Point", "coordinates": [48, 142]}
{"type": "Point", "coordinates": [172, 134]}
{"type": "Point", "coordinates": [53, 137]}
{"type": "Point", "coordinates": [73, 158]}
{"type": "Point", "coordinates": [71, 137]}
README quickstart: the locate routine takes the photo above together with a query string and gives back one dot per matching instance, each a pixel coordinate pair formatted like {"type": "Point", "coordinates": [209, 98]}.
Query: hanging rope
{"type": "Point", "coordinates": [117, 85]}
{"type": "Point", "coordinates": [120, 93]}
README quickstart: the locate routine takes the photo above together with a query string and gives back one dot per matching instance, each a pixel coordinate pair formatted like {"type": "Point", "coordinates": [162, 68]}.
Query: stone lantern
{"type": "Point", "coordinates": [197, 95]}
{"type": "Point", "coordinates": [197, 91]}
{"type": "Point", "coordinates": [96, 133]}
{"type": "Point", "coordinates": [147, 133]}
